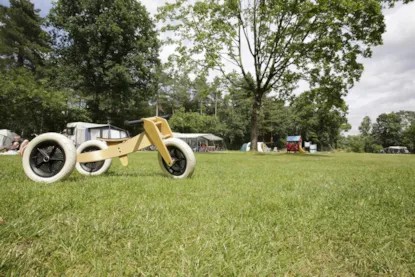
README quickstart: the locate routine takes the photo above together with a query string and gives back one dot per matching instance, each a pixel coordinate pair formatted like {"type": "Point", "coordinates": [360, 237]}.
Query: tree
{"type": "Point", "coordinates": [174, 91]}
{"type": "Point", "coordinates": [277, 121]}
{"type": "Point", "coordinates": [23, 41]}
{"type": "Point", "coordinates": [28, 101]}
{"type": "Point", "coordinates": [193, 122]}
{"type": "Point", "coordinates": [234, 113]}
{"type": "Point", "coordinates": [387, 130]}
{"type": "Point", "coordinates": [201, 90]}
{"type": "Point", "coordinates": [409, 136]}
{"type": "Point", "coordinates": [283, 41]}
{"type": "Point", "coordinates": [320, 118]}
{"type": "Point", "coordinates": [366, 126]}
{"type": "Point", "coordinates": [365, 132]}
{"type": "Point", "coordinates": [107, 50]}
{"type": "Point", "coordinates": [355, 144]}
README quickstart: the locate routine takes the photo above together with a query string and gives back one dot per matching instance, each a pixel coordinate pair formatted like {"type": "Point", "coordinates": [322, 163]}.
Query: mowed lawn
{"type": "Point", "coordinates": [241, 214]}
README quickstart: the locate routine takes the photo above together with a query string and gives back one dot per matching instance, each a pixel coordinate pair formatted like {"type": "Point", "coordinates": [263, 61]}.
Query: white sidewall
{"type": "Point", "coordinates": [101, 145]}
{"type": "Point", "coordinates": [188, 153]}
{"type": "Point", "coordinates": [70, 157]}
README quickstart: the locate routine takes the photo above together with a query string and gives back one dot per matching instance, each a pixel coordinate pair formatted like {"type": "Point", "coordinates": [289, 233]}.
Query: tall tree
{"type": "Point", "coordinates": [320, 118]}
{"type": "Point", "coordinates": [282, 41]}
{"type": "Point", "coordinates": [366, 126]}
{"type": "Point", "coordinates": [109, 51]}
{"type": "Point", "coordinates": [174, 91]}
{"type": "Point", "coordinates": [23, 41]}
{"type": "Point", "coordinates": [277, 121]}
{"type": "Point", "coordinates": [387, 130]}
{"type": "Point", "coordinates": [28, 101]}
{"type": "Point", "coordinates": [409, 136]}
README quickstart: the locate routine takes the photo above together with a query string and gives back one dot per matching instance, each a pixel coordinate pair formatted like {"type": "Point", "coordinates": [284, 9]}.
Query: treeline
{"type": "Point", "coordinates": [93, 60]}
{"type": "Point", "coordinates": [97, 61]}
{"type": "Point", "coordinates": [313, 115]}
{"type": "Point", "coordinates": [392, 129]}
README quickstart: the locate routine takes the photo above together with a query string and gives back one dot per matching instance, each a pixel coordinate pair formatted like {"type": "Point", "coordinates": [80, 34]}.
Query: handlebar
{"type": "Point", "coordinates": [140, 121]}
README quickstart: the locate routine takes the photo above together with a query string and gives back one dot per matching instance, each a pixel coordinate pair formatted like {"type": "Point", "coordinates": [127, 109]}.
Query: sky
{"type": "Point", "coordinates": [388, 82]}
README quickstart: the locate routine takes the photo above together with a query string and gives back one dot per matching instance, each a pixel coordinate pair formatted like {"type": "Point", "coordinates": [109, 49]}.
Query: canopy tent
{"type": "Point", "coordinates": [80, 132]}
{"type": "Point", "coordinates": [202, 142]}
{"type": "Point", "coordinates": [6, 137]}
{"type": "Point", "coordinates": [396, 150]}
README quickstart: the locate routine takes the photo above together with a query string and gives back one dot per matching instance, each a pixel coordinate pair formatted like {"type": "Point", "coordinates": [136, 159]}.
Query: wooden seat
{"type": "Point", "coordinates": [113, 140]}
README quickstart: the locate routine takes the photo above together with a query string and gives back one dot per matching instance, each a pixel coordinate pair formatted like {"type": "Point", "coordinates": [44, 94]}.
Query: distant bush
{"type": "Point", "coordinates": [376, 148]}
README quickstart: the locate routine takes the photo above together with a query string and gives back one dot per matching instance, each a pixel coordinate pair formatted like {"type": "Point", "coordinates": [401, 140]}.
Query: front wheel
{"type": "Point", "coordinates": [183, 157]}
{"type": "Point", "coordinates": [93, 168]}
{"type": "Point", "coordinates": [49, 158]}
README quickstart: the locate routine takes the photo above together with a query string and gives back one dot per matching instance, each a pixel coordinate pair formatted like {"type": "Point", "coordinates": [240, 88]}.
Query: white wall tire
{"type": "Point", "coordinates": [49, 158]}
{"type": "Point", "coordinates": [185, 159]}
{"type": "Point", "coordinates": [94, 168]}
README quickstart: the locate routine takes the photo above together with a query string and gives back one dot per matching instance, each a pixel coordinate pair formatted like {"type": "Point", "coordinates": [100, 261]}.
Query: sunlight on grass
{"type": "Point", "coordinates": [241, 214]}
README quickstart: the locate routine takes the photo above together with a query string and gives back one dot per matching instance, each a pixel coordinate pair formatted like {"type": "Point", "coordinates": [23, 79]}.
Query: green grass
{"type": "Point", "coordinates": [241, 214]}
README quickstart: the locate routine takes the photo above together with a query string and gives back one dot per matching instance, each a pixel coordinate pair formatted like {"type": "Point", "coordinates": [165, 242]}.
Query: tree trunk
{"type": "Point", "coordinates": [216, 105]}
{"type": "Point", "coordinates": [256, 109]}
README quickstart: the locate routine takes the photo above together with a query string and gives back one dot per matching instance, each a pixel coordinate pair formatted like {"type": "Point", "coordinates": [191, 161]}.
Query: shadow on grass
{"type": "Point", "coordinates": [309, 155]}
{"type": "Point", "coordinates": [133, 174]}
{"type": "Point", "coordinates": [81, 178]}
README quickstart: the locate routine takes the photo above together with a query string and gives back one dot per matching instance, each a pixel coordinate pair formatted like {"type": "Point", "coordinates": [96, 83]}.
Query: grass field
{"type": "Point", "coordinates": [241, 214]}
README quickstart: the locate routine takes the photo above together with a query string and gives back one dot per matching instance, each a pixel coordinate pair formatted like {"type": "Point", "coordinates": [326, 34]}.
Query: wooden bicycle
{"type": "Point", "coordinates": [51, 157]}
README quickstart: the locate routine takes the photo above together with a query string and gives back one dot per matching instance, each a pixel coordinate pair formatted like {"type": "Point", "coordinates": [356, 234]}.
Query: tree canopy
{"type": "Point", "coordinates": [108, 52]}
{"type": "Point", "coordinates": [274, 44]}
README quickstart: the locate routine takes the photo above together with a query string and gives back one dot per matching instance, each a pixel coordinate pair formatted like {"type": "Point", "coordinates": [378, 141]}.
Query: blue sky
{"type": "Point", "coordinates": [388, 82]}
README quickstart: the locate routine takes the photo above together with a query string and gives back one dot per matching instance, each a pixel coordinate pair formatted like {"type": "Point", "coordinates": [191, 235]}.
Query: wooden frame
{"type": "Point", "coordinates": [155, 130]}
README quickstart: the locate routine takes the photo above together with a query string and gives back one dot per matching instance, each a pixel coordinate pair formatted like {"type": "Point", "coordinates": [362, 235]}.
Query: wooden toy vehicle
{"type": "Point", "coordinates": [51, 157]}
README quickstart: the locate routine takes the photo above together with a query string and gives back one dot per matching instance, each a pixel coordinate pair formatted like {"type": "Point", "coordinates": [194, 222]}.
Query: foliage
{"type": "Point", "coordinates": [27, 105]}
{"type": "Point", "coordinates": [29, 101]}
{"type": "Point", "coordinates": [355, 144]}
{"type": "Point", "coordinates": [376, 148]}
{"type": "Point", "coordinates": [283, 41]}
{"type": "Point", "coordinates": [409, 136]}
{"type": "Point", "coordinates": [23, 42]}
{"type": "Point", "coordinates": [387, 130]}
{"type": "Point", "coordinates": [366, 126]}
{"type": "Point", "coordinates": [393, 129]}
{"type": "Point", "coordinates": [193, 122]}
{"type": "Point", "coordinates": [319, 117]}
{"type": "Point", "coordinates": [108, 51]}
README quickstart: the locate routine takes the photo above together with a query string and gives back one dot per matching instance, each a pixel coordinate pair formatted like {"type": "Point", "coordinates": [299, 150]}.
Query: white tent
{"type": "Point", "coordinates": [396, 150]}
{"type": "Point", "coordinates": [80, 132]}
{"type": "Point", "coordinates": [261, 147]}
{"type": "Point", "coordinates": [6, 137]}
{"type": "Point", "coordinates": [195, 141]}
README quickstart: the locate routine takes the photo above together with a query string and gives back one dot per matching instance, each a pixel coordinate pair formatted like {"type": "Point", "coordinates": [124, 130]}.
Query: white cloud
{"type": "Point", "coordinates": [388, 82]}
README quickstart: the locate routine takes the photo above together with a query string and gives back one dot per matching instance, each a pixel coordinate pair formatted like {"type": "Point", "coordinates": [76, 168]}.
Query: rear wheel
{"type": "Point", "coordinates": [93, 168]}
{"type": "Point", "coordinates": [49, 158]}
{"type": "Point", "coordinates": [183, 157]}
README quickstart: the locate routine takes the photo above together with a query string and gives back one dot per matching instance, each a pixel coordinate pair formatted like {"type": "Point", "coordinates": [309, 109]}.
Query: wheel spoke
{"type": "Point", "coordinates": [39, 164]}
{"type": "Point", "coordinates": [43, 152]}
{"type": "Point", "coordinates": [53, 151]}
{"type": "Point", "coordinates": [50, 167]}
{"type": "Point", "coordinates": [56, 159]}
